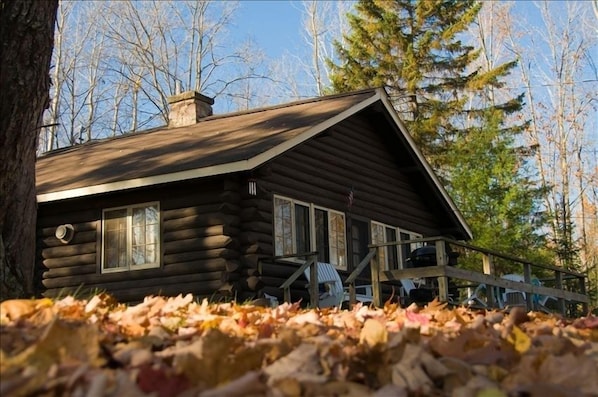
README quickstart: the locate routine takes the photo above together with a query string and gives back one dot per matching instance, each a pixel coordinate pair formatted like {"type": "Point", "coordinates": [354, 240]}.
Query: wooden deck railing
{"type": "Point", "coordinates": [311, 261]}
{"type": "Point", "coordinates": [443, 272]}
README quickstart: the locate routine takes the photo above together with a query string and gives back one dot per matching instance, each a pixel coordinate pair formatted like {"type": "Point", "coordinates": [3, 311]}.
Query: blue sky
{"type": "Point", "coordinates": [276, 25]}
{"type": "Point", "coordinates": [273, 25]}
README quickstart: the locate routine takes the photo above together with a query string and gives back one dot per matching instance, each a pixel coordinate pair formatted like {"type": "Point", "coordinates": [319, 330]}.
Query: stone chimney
{"type": "Point", "coordinates": [188, 108]}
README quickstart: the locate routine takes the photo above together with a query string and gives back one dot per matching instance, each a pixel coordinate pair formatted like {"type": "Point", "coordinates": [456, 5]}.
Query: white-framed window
{"type": "Point", "coordinates": [131, 237]}
{"type": "Point", "coordinates": [291, 226]}
{"type": "Point", "coordinates": [393, 256]}
{"type": "Point", "coordinates": [330, 237]}
{"type": "Point", "coordinates": [302, 227]}
{"type": "Point", "coordinates": [388, 255]}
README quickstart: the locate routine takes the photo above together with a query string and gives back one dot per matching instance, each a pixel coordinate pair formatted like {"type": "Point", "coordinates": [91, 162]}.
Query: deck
{"type": "Point", "coordinates": [566, 287]}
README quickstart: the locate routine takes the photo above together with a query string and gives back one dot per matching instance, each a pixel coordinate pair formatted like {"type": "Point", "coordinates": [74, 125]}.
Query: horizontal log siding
{"type": "Point", "coordinates": [352, 155]}
{"type": "Point", "coordinates": [200, 247]}
{"type": "Point", "coordinates": [255, 237]}
{"type": "Point", "coordinates": [56, 260]}
{"type": "Point", "coordinates": [323, 171]}
{"type": "Point", "coordinates": [230, 199]}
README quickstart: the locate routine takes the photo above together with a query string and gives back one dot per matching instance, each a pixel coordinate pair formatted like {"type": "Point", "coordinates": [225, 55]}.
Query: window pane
{"type": "Point", "coordinates": [151, 254]}
{"type": "Point", "coordinates": [152, 234]}
{"type": "Point", "coordinates": [152, 215]}
{"type": "Point", "coordinates": [302, 229]}
{"type": "Point", "coordinates": [322, 240]}
{"type": "Point", "coordinates": [115, 239]}
{"type": "Point", "coordinates": [337, 240]}
{"type": "Point", "coordinates": [283, 237]}
{"type": "Point", "coordinates": [138, 256]}
{"type": "Point", "coordinates": [377, 233]}
{"type": "Point", "coordinates": [144, 234]}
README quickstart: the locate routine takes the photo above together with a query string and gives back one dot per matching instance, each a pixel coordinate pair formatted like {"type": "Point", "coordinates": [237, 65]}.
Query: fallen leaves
{"type": "Point", "coordinates": [179, 347]}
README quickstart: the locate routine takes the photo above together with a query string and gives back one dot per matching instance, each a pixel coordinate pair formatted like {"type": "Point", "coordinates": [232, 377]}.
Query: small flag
{"type": "Point", "coordinates": [350, 198]}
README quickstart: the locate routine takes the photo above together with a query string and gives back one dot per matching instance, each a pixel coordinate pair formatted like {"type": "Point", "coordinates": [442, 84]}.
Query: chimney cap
{"type": "Point", "coordinates": [190, 95]}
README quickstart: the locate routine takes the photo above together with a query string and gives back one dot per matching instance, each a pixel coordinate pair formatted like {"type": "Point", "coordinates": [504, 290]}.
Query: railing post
{"type": "Point", "coordinates": [350, 281]}
{"type": "Point", "coordinates": [287, 294]}
{"type": "Point", "coordinates": [527, 278]}
{"type": "Point", "coordinates": [442, 260]}
{"type": "Point", "coordinates": [314, 282]}
{"type": "Point", "coordinates": [582, 289]}
{"type": "Point", "coordinates": [443, 289]}
{"type": "Point", "coordinates": [488, 266]}
{"type": "Point", "coordinates": [441, 256]}
{"type": "Point", "coordinates": [376, 289]}
{"type": "Point", "coordinates": [559, 285]}
{"type": "Point", "coordinates": [352, 294]}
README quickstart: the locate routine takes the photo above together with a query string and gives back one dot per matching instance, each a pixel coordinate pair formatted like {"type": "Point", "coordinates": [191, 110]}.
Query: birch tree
{"type": "Point", "coordinates": [302, 71]}
{"type": "Point", "coordinates": [166, 45]}
{"type": "Point", "coordinates": [78, 92]}
{"type": "Point", "coordinates": [323, 21]}
{"type": "Point", "coordinates": [557, 68]}
{"type": "Point", "coordinates": [116, 63]}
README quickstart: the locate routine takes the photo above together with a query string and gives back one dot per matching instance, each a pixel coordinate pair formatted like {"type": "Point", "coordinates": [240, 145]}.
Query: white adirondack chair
{"type": "Point", "coordinates": [332, 291]}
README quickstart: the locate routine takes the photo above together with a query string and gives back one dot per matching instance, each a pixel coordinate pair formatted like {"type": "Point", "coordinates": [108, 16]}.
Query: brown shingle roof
{"type": "Point", "coordinates": [214, 145]}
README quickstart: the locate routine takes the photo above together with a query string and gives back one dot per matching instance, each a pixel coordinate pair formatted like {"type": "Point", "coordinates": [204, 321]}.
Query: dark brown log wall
{"type": "Point", "coordinates": [352, 155]}
{"type": "Point", "coordinates": [255, 238]}
{"type": "Point", "coordinates": [200, 244]}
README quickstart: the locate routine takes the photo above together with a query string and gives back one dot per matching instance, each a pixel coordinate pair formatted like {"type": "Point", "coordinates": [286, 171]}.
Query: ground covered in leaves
{"type": "Point", "coordinates": [179, 347]}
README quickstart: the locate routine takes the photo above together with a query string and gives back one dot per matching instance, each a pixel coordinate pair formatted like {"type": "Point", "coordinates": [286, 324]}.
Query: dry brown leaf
{"type": "Point", "coordinates": [373, 333]}
{"type": "Point", "coordinates": [520, 340]}
{"type": "Point", "coordinates": [576, 373]}
{"type": "Point", "coordinates": [61, 342]}
{"type": "Point", "coordinates": [248, 384]}
{"type": "Point", "coordinates": [15, 309]}
{"type": "Point", "coordinates": [302, 364]}
{"type": "Point", "coordinates": [409, 372]}
{"type": "Point", "coordinates": [174, 346]}
{"type": "Point", "coordinates": [391, 390]}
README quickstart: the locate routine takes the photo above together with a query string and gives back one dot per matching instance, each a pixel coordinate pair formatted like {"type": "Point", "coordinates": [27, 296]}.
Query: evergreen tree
{"type": "Point", "coordinates": [414, 49]}
{"type": "Point", "coordinates": [500, 205]}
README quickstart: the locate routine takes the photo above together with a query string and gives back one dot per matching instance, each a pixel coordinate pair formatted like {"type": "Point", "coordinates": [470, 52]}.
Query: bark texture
{"type": "Point", "coordinates": [26, 42]}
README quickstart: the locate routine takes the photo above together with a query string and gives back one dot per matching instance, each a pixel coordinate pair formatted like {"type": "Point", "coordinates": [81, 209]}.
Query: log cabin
{"type": "Point", "coordinates": [198, 206]}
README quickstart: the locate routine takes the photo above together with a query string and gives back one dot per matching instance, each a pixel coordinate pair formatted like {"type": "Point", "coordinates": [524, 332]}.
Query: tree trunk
{"type": "Point", "coordinates": [26, 41]}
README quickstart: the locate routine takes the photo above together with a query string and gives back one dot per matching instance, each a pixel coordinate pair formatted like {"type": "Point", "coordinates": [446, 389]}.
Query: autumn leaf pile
{"type": "Point", "coordinates": [179, 347]}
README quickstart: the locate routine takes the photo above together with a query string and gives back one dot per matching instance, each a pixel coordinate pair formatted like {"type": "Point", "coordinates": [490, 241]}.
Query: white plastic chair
{"type": "Point", "coordinates": [363, 294]}
{"type": "Point", "coordinates": [478, 297]}
{"type": "Point", "coordinates": [330, 285]}
{"type": "Point", "coordinates": [408, 285]}
{"type": "Point", "coordinates": [512, 297]}
{"type": "Point", "coordinates": [332, 291]}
